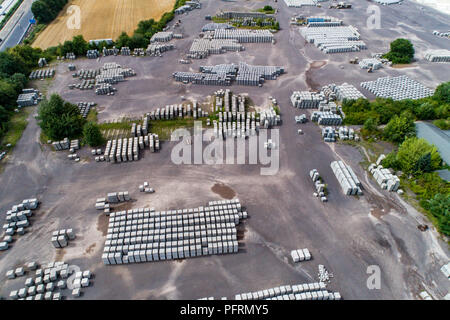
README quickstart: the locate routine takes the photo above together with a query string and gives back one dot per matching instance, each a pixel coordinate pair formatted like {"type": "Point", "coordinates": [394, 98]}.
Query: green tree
{"type": "Point", "coordinates": [399, 128]}
{"type": "Point", "coordinates": [439, 206]}
{"type": "Point", "coordinates": [79, 45]}
{"type": "Point", "coordinates": [371, 125]}
{"type": "Point", "coordinates": [412, 156]}
{"type": "Point", "coordinates": [426, 111]}
{"type": "Point", "coordinates": [402, 51]}
{"type": "Point", "coordinates": [59, 119]}
{"type": "Point", "coordinates": [92, 134]}
{"type": "Point", "coordinates": [442, 92]}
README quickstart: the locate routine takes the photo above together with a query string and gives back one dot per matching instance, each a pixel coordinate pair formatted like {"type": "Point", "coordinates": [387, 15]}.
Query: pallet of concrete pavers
{"type": "Point", "coordinates": [61, 145]}
{"type": "Point", "coordinates": [348, 180]}
{"type": "Point", "coordinates": [60, 238]}
{"type": "Point", "coordinates": [145, 235]}
{"type": "Point", "coordinates": [42, 74]}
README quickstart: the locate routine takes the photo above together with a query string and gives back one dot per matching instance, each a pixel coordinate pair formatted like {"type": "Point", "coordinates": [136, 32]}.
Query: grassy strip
{"type": "Point", "coordinates": [17, 125]}
{"type": "Point", "coordinates": [443, 124]}
{"type": "Point", "coordinates": [34, 33]}
{"type": "Point", "coordinates": [266, 11]}
{"type": "Point", "coordinates": [10, 13]}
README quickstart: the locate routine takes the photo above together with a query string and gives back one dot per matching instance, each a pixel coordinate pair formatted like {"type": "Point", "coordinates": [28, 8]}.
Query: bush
{"type": "Point", "coordinates": [402, 51]}
{"type": "Point", "coordinates": [399, 128]}
{"type": "Point", "coordinates": [59, 119]}
{"type": "Point", "coordinates": [442, 92]}
{"type": "Point", "coordinates": [442, 124]}
{"type": "Point", "coordinates": [416, 156]}
{"type": "Point", "coordinates": [391, 161]}
{"type": "Point", "coordinates": [439, 207]}
{"type": "Point", "coordinates": [92, 135]}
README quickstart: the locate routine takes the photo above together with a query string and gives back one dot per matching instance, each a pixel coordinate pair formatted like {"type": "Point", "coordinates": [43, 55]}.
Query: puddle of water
{"type": "Point", "coordinates": [223, 190]}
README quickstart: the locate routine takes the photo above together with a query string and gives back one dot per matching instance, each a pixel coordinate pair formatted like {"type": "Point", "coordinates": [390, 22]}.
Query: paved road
{"type": "Point", "coordinates": [16, 27]}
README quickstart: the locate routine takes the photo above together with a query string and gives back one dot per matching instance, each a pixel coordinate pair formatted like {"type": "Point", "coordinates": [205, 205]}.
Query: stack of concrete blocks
{"type": "Point", "coordinates": [83, 85]}
{"type": "Point", "coordinates": [342, 92]}
{"type": "Point", "coordinates": [92, 54]}
{"type": "Point", "coordinates": [110, 52]}
{"type": "Point", "coordinates": [86, 74]}
{"type": "Point", "coordinates": [318, 184]}
{"type": "Point", "coordinates": [85, 107]}
{"type": "Point", "coordinates": [162, 37]}
{"type": "Point", "coordinates": [328, 106]}
{"type": "Point", "coordinates": [157, 49]}
{"type": "Point", "coordinates": [216, 26]}
{"type": "Point", "coordinates": [42, 62]}
{"type": "Point", "coordinates": [50, 281]}
{"type": "Point", "coordinates": [323, 21]}
{"type": "Point", "coordinates": [102, 204]}
{"type": "Point", "coordinates": [269, 144]}
{"type": "Point", "coordinates": [104, 89]}
{"type": "Point", "coordinates": [153, 142]}
{"type": "Point", "coordinates": [188, 6]}
{"type": "Point", "coordinates": [116, 197]}
{"type": "Point", "coordinates": [70, 56]}
{"type": "Point", "coordinates": [333, 39]}
{"type": "Point", "coordinates": [384, 177]}
{"type": "Point", "coordinates": [301, 118]}
{"type": "Point", "coordinates": [42, 74]}
{"type": "Point", "coordinates": [445, 269]}
{"type": "Point", "coordinates": [2, 155]}
{"type": "Point", "coordinates": [16, 220]}
{"type": "Point", "coordinates": [300, 255]}
{"type": "Point", "coordinates": [202, 48]}
{"type": "Point", "coordinates": [244, 35]}
{"type": "Point", "coordinates": [139, 52]}
{"type": "Point", "coordinates": [348, 180]}
{"type": "Point", "coordinates": [146, 188]}
{"type": "Point", "coordinates": [300, 3]}
{"type": "Point", "coordinates": [306, 99]}
{"type": "Point", "coordinates": [125, 51]}
{"type": "Point", "coordinates": [256, 75]}
{"type": "Point", "coordinates": [346, 133]}
{"type": "Point", "coordinates": [98, 153]}
{"type": "Point", "coordinates": [74, 145]}
{"type": "Point", "coordinates": [329, 134]}
{"type": "Point", "coordinates": [323, 274]}
{"type": "Point", "coordinates": [269, 118]}
{"type": "Point", "coordinates": [397, 88]}
{"type": "Point", "coordinates": [62, 145]}
{"type": "Point", "coordinates": [145, 235]}
{"type": "Point", "coordinates": [442, 34]}
{"type": "Point", "coordinates": [326, 118]}
{"type": "Point", "coordinates": [303, 291]}
{"type": "Point", "coordinates": [373, 63]}
{"type": "Point", "coordinates": [71, 67]}
{"type": "Point", "coordinates": [81, 280]}
{"type": "Point", "coordinates": [60, 238]}
{"type": "Point", "coordinates": [438, 56]}
{"type": "Point", "coordinates": [28, 97]}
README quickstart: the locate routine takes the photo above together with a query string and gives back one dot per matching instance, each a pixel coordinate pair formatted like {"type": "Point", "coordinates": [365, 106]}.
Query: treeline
{"type": "Point", "coordinates": [45, 11]}
{"type": "Point", "coordinates": [15, 65]}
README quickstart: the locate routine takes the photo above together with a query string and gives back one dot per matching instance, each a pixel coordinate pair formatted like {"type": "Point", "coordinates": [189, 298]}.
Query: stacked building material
{"type": "Point", "coordinates": [306, 99]}
{"type": "Point", "coordinates": [188, 6]}
{"type": "Point", "coordinates": [323, 21]}
{"type": "Point", "coordinates": [92, 54]}
{"type": "Point", "coordinates": [28, 97]}
{"type": "Point", "coordinates": [85, 107]}
{"type": "Point", "coordinates": [384, 177]}
{"type": "Point", "coordinates": [145, 235]}
{"type": "Point", "coordinates": [301, 118]}
{"type": "Point", "coordinates": [162, 37]}
{"type": "Point", "coordinates": [244, 35]}
{"type": "Point", "coordinates": [61, 145]}
{"type": "Point", "coordinates": [125, 51]}
{"type": "Point", "coordinates": [347, 178]}
{"type": "Point", "coordinates": [60, 238]}
{"type": "Point", "coordinates": [442, 34]}
{"type": "Point", "coordinates": [335, 39]}
{"type": "Point", "coordinates": [326, 118]}
{"type": "Point", "coordinates": [346, 133]}
{"type": "Point", "coordinates": [300, 255]}
{"type": "Point", "coordinates": [42, 74]}
{"type": "Point", "coordinates": [215, 26]}
{"type": "Point", "coordinates": [139, 52]}
{"type": "Point", "coordinates": [74, 145]}
{"type": "Point", "coordinates": [303, 291]}
{"type": "Point", "coordinates": [202, 48]}
{"type": "Point", "coordinates": [71, 56]}
{"type": "Point", "coordinates": [110, 52]}
{"type": "Point", "coordinates": [300, 3]}
{"type": "Point", "coordinates": [146, 188]}
{"type": "Point", "coordinates": [397, 88]}
{"type": "Point", "coordinates": [319, 186]}
{"type": "Point", "coordinates": [71, 67]}
{"type": "Point", "coordinates": [227, 15]}
{"type": "Point", "coordinates": [438, 56]}
{"type": "Point", "coordinates": [17, 220]}
{"type": "Point", "coordinates": [328, 106]}
{"type": "Point", "coordinates": [104, 89]}
{"type": "Point", "coordinates": [341, 92]}
{"type": "Point", "coordinates": [373, 63]}
{"type": "Point", "coordinates": [329, 134]}
{"type": "Point", "coordinates": [87, 74]}
{"type": "Point", "coordinates": [156, 49]}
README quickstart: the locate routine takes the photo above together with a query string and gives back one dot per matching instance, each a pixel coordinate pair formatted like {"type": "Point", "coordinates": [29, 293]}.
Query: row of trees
{"type": "Point", "coordinates": [46, 11]}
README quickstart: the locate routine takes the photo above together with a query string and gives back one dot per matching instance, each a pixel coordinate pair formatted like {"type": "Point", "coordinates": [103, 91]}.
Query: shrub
{"type": "Point", "coordinates": [92, 135]}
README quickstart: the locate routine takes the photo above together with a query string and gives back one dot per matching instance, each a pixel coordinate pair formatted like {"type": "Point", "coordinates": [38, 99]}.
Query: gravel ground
{"type": "Point", "coordinates": [347, 234]}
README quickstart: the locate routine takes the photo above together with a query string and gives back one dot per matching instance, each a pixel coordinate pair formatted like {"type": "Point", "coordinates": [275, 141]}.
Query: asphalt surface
{"type": "Point", "coordinates": [16, 27]}
{"type": "Point", "coordinates": [347, 234]}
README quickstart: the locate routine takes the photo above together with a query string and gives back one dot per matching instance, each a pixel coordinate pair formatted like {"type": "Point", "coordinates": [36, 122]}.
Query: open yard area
{"type": "Point", "coordinates": [347, 234]}
{"type": "Point", "coordinates": [102, 19]}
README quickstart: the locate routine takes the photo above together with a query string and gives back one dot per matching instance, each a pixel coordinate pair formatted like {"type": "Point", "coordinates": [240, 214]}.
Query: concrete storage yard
{"type": "Point", "coordinates": [345, 234]}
